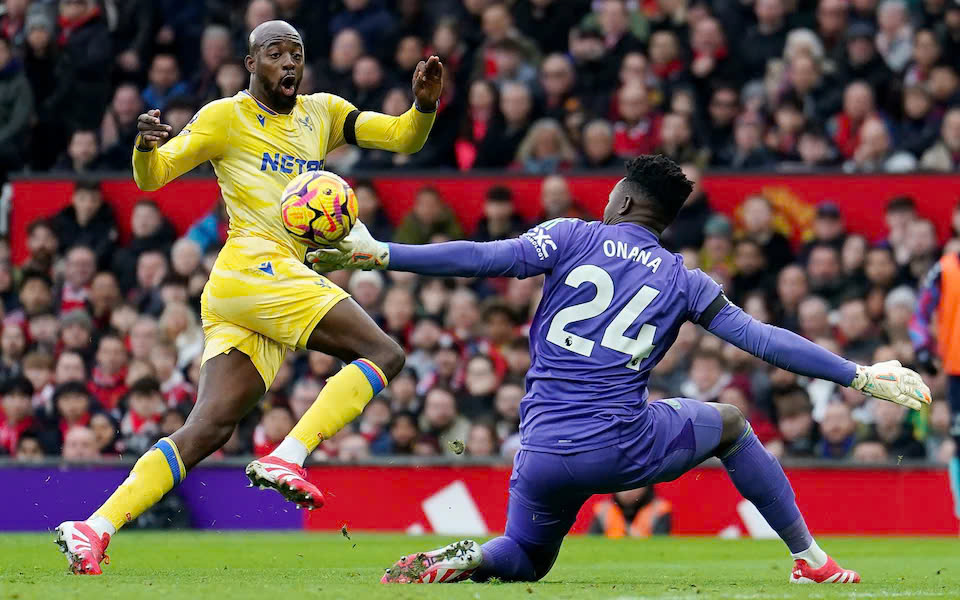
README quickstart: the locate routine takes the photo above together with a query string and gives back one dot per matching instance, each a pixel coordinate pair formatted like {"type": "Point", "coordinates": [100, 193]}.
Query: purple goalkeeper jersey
{"type": "Point", "coordinates": [613, 302]}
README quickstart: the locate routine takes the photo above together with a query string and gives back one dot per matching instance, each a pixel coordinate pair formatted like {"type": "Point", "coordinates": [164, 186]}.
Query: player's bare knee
{"type": "Point", "coordinates": [390, 357]}
{"type": "Point", "coordinates": [733, 422]}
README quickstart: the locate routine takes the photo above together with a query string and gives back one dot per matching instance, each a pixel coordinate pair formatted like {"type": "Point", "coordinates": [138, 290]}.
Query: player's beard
{"type": "Point", "coordinates": [285, 96]}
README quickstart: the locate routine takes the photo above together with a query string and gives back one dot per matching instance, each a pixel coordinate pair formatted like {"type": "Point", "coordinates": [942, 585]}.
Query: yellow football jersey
{"type": "Point", "coordinates": [256, 151]}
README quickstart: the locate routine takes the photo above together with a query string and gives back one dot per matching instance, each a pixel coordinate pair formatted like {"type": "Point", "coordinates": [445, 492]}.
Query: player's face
{"type": "Point", "coordinates": [279, 67]}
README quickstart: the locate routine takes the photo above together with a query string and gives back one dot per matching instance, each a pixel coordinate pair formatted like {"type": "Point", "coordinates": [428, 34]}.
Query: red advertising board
{"type": "Point", "coordinates": [473, 500]}
{"type": "Point", "coordinates": [861, 198]}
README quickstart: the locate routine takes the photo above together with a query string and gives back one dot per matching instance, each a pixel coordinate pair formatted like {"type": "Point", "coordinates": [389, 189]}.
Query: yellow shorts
{"type": "Point", "coordinates": [261, 299]}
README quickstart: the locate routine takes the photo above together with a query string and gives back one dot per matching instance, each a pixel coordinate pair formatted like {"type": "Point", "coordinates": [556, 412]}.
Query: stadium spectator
{"type": "Point", "coordinates": [215, 51]}
{"type": "Point", "coordinates": [441, 420]}
{"type": "Point", "coordinates": [108, 379]}
{"type": "Point", "coordinates": [504, 134]}
{"type": "Point", "coordinates": [106, 432]}
{"type": "Point", "coordinates": [676, 141]}
{"type": "Point", "coordinates": [545, 149]}
{"type": "Point", "coordinates": [70, 367]}
{"type": "Point", "coordinates": [828, 228]}
{"type": "Point", "coordinates": [708, 376]}
{"type": "Point", "coordinates": [598, 152]}
{"type": "Point", "coordinates": [558, 81]}
{"type": "Point", "coordinates": [16, 416]}
{"type": "Point", "coordinates": [174, 386]}
{"type": "Point", "coordinates": [164, 82]}
{"type": "Point", "coordinates": [837, 429]}
{"type": "Point", "coordinates": [403, 433]}
{"type": "Point", "coordinates": [482, 441]}
{"type": "Point", "coordinates": [944, 155]}
{"type": "Point", "coordinates": [83, 153]}
{"type": "Point", "coordinates": [892, 430]}
{"type": "Point", "coordinates": [180, 110]}
{"type": "Point", "coordinates": [88, 221]}
{"type": "Point", "coordinates": [346, 49]}
{"type": "Point", "coordinates": [39, 61]}
{"type": "Point", "coordinates": [752, 275]}
{"type": "Point", "coordinates": [763, 41]}
{"type": "Point", "coordinates": [874, 152]}
{"type": "Point", "coordinates": [759, 225]}
{"type": "Point", "coordinates": [80, 268]}
{"type": "Point", "coordinates": [150, 231]}
{"type": "Point", "coordinates": [16, 109]}
{"type": "Point", "coordinates": [748, 151]}
{"type": "Point", "coordinates": [119, 126]}
{"type": "Point", "coordinates": [368, 18]}
{"type": "Point", "coordinates": [633, 513]}
{"type": "Point", "coordinates": [136, 22]}
{"type": "Point", "coordinates": [72, 404]}
{"type": "Point", "coordinates": [152, 269]}
{"type": "Point", "coordinates": [895, 35]}
{"type": "Point", "coordinates": [864, 64]}
{"type": "Point", "coordinates": [179, 325]}
{"type": "Point", "coordinates": [231, 78]}
{"type": "Point", "coordinates": [500, 220]}
{"type": "Point", "coordinates": [430, 216]}
{"type": "Point", "coordinates": [920, 125]}
{"type": "Point", "coordinates": [275, 424]}
{"type": "Point", "coordinates": [638, 129]}
{"type": "Point", "coordinates": [80, 445]}
{"type": "Point", "coordinates": [86, 53]}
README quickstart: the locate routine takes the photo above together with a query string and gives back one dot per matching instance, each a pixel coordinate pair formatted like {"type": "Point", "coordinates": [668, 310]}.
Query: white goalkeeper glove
{"type": "Point", "coordinates": [359, 250]}
{"type": "Point", "coordinates": [893, 382]}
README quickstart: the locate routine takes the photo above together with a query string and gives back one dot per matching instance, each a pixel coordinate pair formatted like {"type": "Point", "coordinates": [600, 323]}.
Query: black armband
{"type": "Point", "coordinates": [711, 312]}
{"type": "Point", "coordinates": [350, 127]}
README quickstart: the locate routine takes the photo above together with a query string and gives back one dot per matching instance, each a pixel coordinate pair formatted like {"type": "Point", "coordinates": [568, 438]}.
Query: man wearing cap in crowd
{"type": "Point", "coordinates": [827, 229]}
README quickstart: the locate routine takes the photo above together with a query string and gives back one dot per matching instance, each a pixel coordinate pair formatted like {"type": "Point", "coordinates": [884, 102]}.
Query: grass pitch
{"type": "Point", "coordinates": [299, 566]}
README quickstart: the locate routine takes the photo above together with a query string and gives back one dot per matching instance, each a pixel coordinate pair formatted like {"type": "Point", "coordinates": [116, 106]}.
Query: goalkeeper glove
{"type": "Point", "coordinates": [893, 382]}
{"type": "Point", "coordinates": [359, 250]}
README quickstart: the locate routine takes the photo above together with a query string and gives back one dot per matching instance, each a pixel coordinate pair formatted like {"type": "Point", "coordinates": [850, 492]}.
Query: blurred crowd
{"type": "Point", "coordinates": [537, 86]}
{"type": "Point", "coordinates": [101, 342]}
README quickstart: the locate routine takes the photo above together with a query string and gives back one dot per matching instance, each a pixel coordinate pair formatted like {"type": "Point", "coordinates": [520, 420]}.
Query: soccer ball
{"type": "Point", "coordinates": [318, 208]}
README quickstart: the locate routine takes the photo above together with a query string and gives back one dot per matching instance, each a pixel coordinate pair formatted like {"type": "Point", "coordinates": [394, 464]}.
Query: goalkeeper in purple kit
{"type": "Point", "coordinates": [613, 302]}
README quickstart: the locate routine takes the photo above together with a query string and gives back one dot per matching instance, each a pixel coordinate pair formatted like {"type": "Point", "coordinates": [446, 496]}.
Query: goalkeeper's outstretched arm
{"type": "Point", "coordinates": [887, 380]}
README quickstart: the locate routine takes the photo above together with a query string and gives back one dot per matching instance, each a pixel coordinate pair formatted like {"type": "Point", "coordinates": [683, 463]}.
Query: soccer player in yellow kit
{"type": "Point", "coordinates": [261, 298]}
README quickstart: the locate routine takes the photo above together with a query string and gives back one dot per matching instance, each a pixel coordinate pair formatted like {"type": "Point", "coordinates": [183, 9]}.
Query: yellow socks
{"type": "Point", "coordinates": [340, 401]}
{"type": "Point", "coordinates": [155, 474]}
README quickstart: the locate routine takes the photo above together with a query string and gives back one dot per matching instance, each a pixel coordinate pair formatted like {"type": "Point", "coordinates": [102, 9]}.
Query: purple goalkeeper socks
{"type": "Point", "coordinates": [759, 478]}
{"type": "Point", "coordinates": [505, 559]}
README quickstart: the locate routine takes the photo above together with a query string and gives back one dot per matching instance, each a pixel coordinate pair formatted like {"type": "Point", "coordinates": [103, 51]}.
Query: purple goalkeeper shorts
{"type": "Point", "coordinates": [547, 490]}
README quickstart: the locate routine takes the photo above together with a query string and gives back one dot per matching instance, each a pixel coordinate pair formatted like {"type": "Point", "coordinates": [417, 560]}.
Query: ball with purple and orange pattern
{"type": "Point", "coordinates": [318, 208]}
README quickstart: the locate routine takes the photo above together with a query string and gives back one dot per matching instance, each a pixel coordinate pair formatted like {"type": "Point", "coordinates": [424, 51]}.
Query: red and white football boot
{"type": "Point", "coordinates": [828, 573]}
{"type": "Point", "coordinates": [84, 549]}
{"type": "Point", "coordinates": [449, 564]}
{"type": "Point", "coordinates": [287, 478]}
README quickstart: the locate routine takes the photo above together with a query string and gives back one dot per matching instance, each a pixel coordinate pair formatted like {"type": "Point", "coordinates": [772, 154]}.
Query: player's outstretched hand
{"type": "Point", "coordinates": [892, 381]}
{"type": "Point", "coordinates": [359, 250]}
{"type": "Point", "coordinates": [428, 83]}
{"type": "Point", "coordinates": [152, 131]}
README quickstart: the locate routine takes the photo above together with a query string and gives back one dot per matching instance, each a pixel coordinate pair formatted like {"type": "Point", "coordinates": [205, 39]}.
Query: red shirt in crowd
{"type": "Point", "coordinates": [640, 138]}
{"type": "Point", "coordinates": [10, 432]}
{"type": "Point", "coordinates": [108, 389]}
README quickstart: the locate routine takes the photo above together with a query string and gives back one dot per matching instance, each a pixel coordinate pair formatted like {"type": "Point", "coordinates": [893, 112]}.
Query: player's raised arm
{"type": "Point", "coordinates": [406, 133]}
{"type": "Point", "coordinates": [886, 380]}
{"type": "Point", "coordinates": [533, 253]}
{"type": "Point", "coordinates": [202, 139]}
